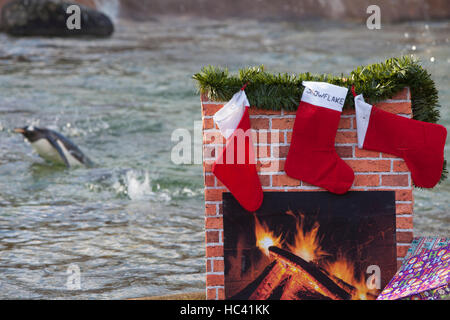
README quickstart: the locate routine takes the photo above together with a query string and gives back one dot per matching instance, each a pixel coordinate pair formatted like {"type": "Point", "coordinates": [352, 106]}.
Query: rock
{"type": "Point", "coordinates": [293, 10]}
{"type": "Point", "coordinates": [49, 17]}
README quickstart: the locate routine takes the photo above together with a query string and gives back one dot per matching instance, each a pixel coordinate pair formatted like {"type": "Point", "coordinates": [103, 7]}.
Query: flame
{"type": "Point", "coordinates": [344, 270]}
{"type": "Point", "coordinates": [307, 243]}
{"type": "Point", "coordinates": [265, 238]}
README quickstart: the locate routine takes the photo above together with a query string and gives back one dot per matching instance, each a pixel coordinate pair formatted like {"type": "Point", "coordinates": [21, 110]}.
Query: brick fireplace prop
{"type": "Point", "coordinates": [272, 132]}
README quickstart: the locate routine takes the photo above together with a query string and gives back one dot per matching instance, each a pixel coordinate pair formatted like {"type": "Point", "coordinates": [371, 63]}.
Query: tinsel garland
{"type": "Point", "coordinates": [377, 82]}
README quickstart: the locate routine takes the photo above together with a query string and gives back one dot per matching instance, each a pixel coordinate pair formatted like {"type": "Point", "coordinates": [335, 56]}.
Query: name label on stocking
{"type": "Point", "coordinates": [324, 95]}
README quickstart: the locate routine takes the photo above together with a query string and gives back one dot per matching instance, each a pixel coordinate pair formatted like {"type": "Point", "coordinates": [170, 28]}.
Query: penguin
{"type": "Point", "coordinates": [54, 147]}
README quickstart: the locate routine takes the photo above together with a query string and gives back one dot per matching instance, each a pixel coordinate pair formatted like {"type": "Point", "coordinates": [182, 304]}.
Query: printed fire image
{"type": "Point", "coordinates": [310, 245]}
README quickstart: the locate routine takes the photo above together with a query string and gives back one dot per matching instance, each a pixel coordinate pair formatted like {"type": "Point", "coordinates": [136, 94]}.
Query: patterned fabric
{"type": "Point", "coordinates": [442, 293]}
{"type": "Point", "coordinates": [424, 274]}
{"type": "Point", "coordinates": [422, 244]}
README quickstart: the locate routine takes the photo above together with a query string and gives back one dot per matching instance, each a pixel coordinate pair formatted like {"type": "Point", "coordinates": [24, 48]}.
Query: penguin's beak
{"type": "Point", "coordinates": [19, 130]}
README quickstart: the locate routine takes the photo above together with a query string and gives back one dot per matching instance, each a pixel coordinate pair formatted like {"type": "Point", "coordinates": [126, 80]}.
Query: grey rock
{"type": "Point", "coordinates": [49, 17]}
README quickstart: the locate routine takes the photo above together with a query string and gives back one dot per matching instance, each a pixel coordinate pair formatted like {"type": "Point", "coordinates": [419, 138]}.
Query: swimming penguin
{"type": "Point", "coordinates": [53, 146]}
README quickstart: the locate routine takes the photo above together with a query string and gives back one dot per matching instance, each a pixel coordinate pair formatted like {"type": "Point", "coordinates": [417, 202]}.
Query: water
{"type": "Point", "coordinates": [133, 224]}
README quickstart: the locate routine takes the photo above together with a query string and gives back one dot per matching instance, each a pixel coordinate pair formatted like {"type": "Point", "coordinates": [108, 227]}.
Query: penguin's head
{"type": "Point", "coordinates": [31, 133]}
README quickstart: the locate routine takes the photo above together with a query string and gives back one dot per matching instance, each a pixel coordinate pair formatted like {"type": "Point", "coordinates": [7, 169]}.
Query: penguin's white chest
{"type": "Point", "coordinates": [46, 151]}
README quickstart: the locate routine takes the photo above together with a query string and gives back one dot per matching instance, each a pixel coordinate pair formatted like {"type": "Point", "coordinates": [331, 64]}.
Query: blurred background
{"type": "Point", "coordinates": [134, 223]}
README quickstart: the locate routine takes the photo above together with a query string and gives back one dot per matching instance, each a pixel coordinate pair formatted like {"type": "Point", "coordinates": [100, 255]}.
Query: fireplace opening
{"type": "Point", "coordinates": [310, 245]}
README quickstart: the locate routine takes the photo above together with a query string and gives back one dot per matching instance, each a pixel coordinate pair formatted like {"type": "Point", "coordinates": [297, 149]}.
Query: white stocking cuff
{"type": "Point", "coordinates": [363, 111]}
{"type": "Point", "coordinates": [229, 117]}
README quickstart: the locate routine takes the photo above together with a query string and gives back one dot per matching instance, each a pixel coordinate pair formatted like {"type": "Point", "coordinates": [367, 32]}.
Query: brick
{"type": "Point", "coordinates": [346, 137]}
{"type": "Point", "coordinates": [401, 251]}
{"type": "Point", "coordinates": [402, 95]}
{"type": "Point", "coordinates": [263, 151]}
{"type": "Point", "coordinates": [361, 153]}
{"type": "Point", "coordinates": [404, 222]}
{"type": "Point", "coordinates": [274, 189]}
{"type": "Point", "coordinates": [348, 112]}
{"type": "Point", "coordinates": [395, 107]}
{"type": "Point", "coordinates": [208, 124]}
{"type": "Point", "coordinates": [214, 251]}
{"type": "Point", "coordinates": [288, 137]}
{"type": "Point", "coordinates": [214, 223]}
{"type": "Point", "coordinates": [344, 151]}
{"type": "Point", "coordinates": [210, 180]}
{"type": "Point", "coordinates": [404, 208]}
{"type": "Point", "coordinates": [290, 112]}
{"type": "Point", "coordinates": [204, 97]}
{"type": "Point", "coordinates": [400, 166]}
{"type": "Point", "coordinates": [284, 181]}
{"type": "Point", "coordinates": [211, 294]}
{"type": "Point", "coordinates": [221, 293]}
{"type": "Point", "coordinates": [306, 184]}
{"type": "Point", "coordinates": [209, 267]}
{"type": "Point", "coordinates": [345, 123]}
{"type": "Point", "coordinates": [219, 183]}
{"type": "Point", "coordinates": [265, 180]}
{"type": "Point", "coordinates": [283, 123]}
{"type": "Point", "coordinates": [405, 237]}
{"type": "Point", "coordinates": [210, 209]}
{"type": "Point", "coordinates": [212, 236]}
{"type": "Point", "coordinates": [260, 136]}
{"type": "Point", "coordinates": [213, 137]}
{"type": "Point", "coordinates": [395, 180]}
{"type": "Point", "coordinates": [210, 109]}
{"type": "Point", "coordinates": [404, 195]}
{"type": "Point", "coordinates": [267, 137]}
{"type": "Point", "coordinates": [259, 123]}
{"type": "Point", "coordinates": [207, 166]}
{"type": "Point", "coordinates": [388, 156]}
{"type": "Point", "coordinates": [253, 111]}
{"type": "Point", "coordinates": [276, 135]}
{"type": "Point", "coordinates": [218, 150]}
{"type": "Point", "coordinates": [213, 280]}
{"type": "Point", "coordinates": [209, 151]}
{"type": "Point", "coordinates": [218, 266]}
{"type": "Point", "coordinates": [280, 152]}
{"type": "Point", "coordinates": [367, 180]}
{"type": "Point", "coordinates": [213, 194]}
{"type": "Point", "coordinates": [370, 165]}
{"type": "Point", "coordinates": [270, 166]}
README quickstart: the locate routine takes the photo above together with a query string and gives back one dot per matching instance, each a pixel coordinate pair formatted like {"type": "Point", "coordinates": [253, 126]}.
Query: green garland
{"type": "Point", "coordinates": [377, 82]}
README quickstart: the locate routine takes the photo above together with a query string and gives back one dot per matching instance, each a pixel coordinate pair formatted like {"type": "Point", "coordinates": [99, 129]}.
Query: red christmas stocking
{"type": "Point", "coordinates": [312, 156]}
{"type": "Point", "coordinates": [236, 166]}
{"type": "Point", "coordinates": [419, 143]}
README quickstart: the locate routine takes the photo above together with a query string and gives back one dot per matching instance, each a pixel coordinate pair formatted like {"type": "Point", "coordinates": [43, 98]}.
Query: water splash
{"type": "Point", "coordinates": [109, 7]}
{"type": "Point", "coordinates": [136, 188]}
{"type": "Point", "coordinates": [138, 185]}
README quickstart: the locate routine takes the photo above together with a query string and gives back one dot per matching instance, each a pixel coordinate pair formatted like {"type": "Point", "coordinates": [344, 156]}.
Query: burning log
{"type": "Point", "coordinates": [264, 285]}
{"type": "Point", "coordinates": [289, 277]}
{"type": "Point", "coordinates": [270, 283]}
{"type": "Point", "coordinates": [307, 277]}
{"type": "Point", "coordinates": [348, 287]}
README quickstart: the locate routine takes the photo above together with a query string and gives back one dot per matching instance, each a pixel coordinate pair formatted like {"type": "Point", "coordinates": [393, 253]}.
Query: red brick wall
{"type": "Point", "coordinates": [373, 171]}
